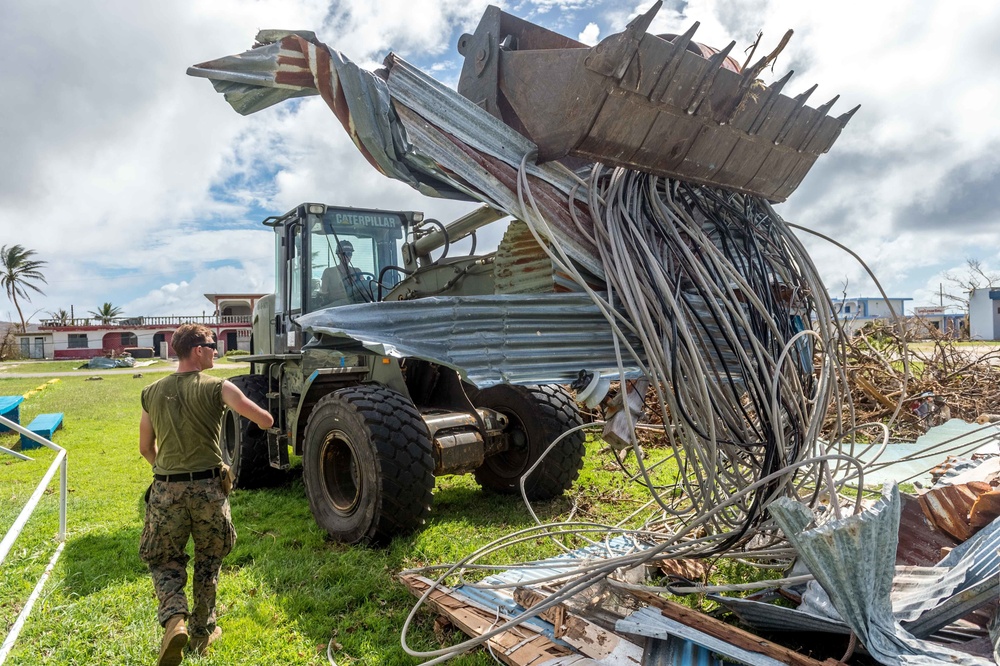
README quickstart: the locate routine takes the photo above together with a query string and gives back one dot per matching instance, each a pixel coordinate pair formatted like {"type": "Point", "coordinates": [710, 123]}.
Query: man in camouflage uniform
{"type": "Point", "coordinates": [179, 436]}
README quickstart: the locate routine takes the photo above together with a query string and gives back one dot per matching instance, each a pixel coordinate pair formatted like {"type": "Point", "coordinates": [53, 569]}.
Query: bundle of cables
{"type": "Point", "coordinates": [723, 298]}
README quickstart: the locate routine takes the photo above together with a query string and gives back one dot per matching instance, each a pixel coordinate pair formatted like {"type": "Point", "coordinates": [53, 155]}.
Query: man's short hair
{"type": "Point", "coordinates": [187, 336]}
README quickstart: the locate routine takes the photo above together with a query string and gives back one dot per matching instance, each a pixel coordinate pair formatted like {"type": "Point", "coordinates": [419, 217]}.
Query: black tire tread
{"type": "Point", "coordinates": [404, 456]}
{"type": "Point", "coordinates": [556, 412]}
{"type": "Point", "coordinates": [252, 464]}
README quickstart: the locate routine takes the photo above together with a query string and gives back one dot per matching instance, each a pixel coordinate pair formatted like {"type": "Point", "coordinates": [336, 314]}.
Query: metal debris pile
{"type": "Point", "coordinates": [885, 585]}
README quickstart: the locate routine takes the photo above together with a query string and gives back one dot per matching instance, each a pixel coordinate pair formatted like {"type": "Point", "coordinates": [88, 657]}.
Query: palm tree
{"type": "Point", "coordinates": [106, 313]}
{"type": "Point", "coordinates": [20, 272]}
{"type": "Point", "coordinates": [60, 317]}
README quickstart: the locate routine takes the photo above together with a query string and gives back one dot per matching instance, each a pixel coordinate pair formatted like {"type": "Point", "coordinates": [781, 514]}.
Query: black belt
{"type": "Point", "coordinates": [189, 476]}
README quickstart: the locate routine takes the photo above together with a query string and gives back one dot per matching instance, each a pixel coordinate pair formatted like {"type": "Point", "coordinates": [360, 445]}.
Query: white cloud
{"type": "Point", "coordinates": [140, 186]}
{"type": "Point", "coordinates": [590, 35]}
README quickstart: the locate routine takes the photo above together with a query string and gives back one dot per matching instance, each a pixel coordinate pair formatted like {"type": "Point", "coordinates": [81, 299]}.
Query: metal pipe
{"type": "Point", "coordinates": [456, 230]}
{"type": "Point", "coordinates": [60, 461]}
{"type": "Point", "coordinates": [15, 454]}
{"type": "Point", "coordinates": [22, 617]}
{"type": "Point", "coordinates": [15, 529]}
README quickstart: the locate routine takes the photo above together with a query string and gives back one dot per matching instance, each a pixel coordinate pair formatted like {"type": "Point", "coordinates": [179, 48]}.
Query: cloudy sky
{"type": "Point", "coordinates": [141, 187]}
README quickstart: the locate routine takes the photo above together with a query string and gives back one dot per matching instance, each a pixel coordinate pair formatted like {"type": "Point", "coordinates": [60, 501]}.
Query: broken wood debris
{"type": "Point", "coordinates": [518, 647]}
{"type": "Point", "coordinates": [586, 637]}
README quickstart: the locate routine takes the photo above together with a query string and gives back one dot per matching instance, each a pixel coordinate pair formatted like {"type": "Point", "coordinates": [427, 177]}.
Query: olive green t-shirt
{"type": "Point", "coordinates": [185, 409]}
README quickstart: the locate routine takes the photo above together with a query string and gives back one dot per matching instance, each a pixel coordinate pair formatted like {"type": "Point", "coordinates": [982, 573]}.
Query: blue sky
{"type": "Point", "coordinates": [140, 186]}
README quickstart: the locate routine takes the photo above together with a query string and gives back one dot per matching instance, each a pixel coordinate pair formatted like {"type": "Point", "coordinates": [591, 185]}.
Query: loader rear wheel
{"type": "Point", "coordinates": [244, 445]}
{"type": "Point", "coordinates": [536, 416]}
{"type": "Point", "coordinates": [367, 465]}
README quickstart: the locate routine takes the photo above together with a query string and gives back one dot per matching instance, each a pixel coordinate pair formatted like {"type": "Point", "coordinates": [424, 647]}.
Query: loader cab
{"type": "Point", "coordinates": [329, 256]}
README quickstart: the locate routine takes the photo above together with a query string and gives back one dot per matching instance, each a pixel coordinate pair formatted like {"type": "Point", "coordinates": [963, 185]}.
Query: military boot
{"type": "Point", "coordinates": [200, 644]}
{"type": "Point", "coordinates": [175, 637]}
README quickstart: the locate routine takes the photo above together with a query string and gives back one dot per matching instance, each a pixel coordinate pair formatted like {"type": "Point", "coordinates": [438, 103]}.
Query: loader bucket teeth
{"type": "Point", "coordinates": [671, 107]}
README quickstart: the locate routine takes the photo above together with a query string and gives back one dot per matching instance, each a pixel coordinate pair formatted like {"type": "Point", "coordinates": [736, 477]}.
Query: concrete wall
{"type": "Point", "coordinates": [984, 315]}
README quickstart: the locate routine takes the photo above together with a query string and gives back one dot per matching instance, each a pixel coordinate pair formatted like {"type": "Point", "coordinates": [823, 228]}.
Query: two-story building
{"type": "Point", "coordinates": [855, 313]}
{"type": "Point", "coordinates": [82, 338]}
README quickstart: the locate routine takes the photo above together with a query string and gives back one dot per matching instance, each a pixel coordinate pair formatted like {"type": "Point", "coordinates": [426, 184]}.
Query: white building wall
{"type": "Point", "coordinates": [984, 315]}
{"type": "Point", "coordinates": [880, 308]}
{"type": "Point", "coordinates": [37, 345]}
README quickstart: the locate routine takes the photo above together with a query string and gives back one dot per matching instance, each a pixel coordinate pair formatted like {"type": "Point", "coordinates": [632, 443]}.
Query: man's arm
{"type": "Point", "coordinates": [242, 405]}
{"type": "Point", "coordinates": [147, 438]}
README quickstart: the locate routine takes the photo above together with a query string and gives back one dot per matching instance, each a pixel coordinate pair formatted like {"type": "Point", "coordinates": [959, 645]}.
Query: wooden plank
{"type": "Point", "coordinates": [724, 632]}
{"type": "Point", "coordinates": [520, 646]}
{"type": "Point", "coordinates": [873, 392]}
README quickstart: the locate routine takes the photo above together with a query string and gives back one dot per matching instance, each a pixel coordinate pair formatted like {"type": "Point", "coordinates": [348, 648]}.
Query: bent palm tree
{"type": "Point", "coordinates": [20, 272]}
{"type": "Point", "coordinates": [106, 313]}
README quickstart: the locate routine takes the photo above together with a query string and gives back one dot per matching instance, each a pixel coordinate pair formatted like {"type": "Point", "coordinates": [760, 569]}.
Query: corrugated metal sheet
{"type": "Point", "coordinates": [515, 339]}
{"type": "Point", "coordinates": [920, 542]}
{"type": "Point", "coordinates": [771, 617]}
{"type": "Point", "coordinates": [521, 265]}
{"type": "Point", "coordinates": [678, 652]}
{"type": "Point", "coordinates": [925, 599]}
{"type": "Point", "coordinates": [853, 561]}
{"type": "Point", "coordinates": [948, 507]}
{"type": "Point", "coordinates": [651, 623]}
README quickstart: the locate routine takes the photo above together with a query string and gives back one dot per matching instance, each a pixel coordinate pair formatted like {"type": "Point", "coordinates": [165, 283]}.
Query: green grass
{"type": "Point", "coordinates": [286, 590]}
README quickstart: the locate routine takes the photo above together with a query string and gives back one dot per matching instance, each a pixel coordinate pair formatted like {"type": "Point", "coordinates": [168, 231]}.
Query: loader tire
{"type": "Point", "coordinates": [367, 465]}
{"type": "Point", "coordinates": [244, 445]}
{"type": "Point", "coordinates": [536, 416]}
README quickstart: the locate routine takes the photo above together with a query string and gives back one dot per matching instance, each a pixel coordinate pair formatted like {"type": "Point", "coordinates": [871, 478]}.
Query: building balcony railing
{"type": "Point", "coordinates": [132, 322]}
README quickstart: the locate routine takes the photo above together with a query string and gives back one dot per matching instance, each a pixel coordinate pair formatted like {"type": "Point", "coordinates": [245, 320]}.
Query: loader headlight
{"type": "Point", "coordinates": [316, 209]}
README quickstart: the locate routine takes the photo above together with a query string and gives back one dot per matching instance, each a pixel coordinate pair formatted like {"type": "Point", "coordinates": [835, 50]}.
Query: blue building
{"type": "Point", "coordinates": [855, 313]}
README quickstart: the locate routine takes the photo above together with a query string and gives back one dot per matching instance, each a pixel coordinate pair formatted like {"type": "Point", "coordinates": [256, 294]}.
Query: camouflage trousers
{"type": "Point", "coordinates": [177, 511]}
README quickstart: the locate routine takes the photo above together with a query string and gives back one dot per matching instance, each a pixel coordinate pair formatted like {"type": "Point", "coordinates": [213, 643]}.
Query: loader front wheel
{"type": "Point", "coordinates": [367, 465]}
{"type": "Point", "coordinates": [244, 445]}
{"type": "Point", "coordinates": [536, 415]}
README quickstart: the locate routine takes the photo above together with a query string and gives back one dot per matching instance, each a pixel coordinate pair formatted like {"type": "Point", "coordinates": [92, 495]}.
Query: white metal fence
{"type": "Point", "coordinates": [15, 530]}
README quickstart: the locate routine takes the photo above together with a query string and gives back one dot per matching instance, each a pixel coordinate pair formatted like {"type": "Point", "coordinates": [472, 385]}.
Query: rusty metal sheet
{"type": "Point", "coordinates": [920, 542]}
{"type": "Point", "coordinates": [948, 508]}
{"type": "Point", "coordinates": [641, 101]}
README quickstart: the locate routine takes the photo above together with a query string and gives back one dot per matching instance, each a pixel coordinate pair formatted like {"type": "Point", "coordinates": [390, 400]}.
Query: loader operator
{"type": "Point", "coordinates": [179, 436]}
{"type": "Point", "coordinates": [341, 284]}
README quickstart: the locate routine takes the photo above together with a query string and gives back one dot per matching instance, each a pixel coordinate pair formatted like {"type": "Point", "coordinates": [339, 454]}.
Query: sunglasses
{"type": "Point", "coordinates": [210, 345]}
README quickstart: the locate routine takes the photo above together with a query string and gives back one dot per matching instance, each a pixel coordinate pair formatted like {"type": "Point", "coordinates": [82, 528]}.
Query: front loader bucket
{"type": "Point", "coordinates": [646, 102]}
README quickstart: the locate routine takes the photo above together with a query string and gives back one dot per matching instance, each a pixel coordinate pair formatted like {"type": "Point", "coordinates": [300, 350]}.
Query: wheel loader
{"type": "Point", "coordinates": [373, 430]}
{"type": "Point", "coordinates": [374, 417]}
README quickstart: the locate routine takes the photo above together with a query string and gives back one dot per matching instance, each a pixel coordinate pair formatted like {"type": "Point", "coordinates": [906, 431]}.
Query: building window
{"type": "Point", "coordinates": [129, 340]}
{"type": "Point", "coordinates": [847, 309]}
{"type": "Point", "coordinates": [78, 341]}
